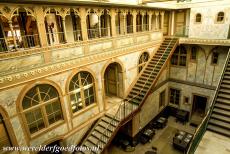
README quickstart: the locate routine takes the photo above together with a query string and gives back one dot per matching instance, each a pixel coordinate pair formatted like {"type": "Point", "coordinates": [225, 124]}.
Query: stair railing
{"type": "Point", "coordinates": [124, 106]}
{"type": "Point", "coordinates": [203, 126]}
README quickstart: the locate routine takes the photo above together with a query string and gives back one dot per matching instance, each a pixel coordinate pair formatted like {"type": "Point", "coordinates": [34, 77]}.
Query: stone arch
{"type": "Point", "coordinates": [8, 125]}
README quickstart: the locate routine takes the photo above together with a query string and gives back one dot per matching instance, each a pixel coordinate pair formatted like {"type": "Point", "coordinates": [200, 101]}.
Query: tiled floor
{"type": "Point", "coordinates": [162, 140]}
{"type": "Point", "coordinates": [214, 144]}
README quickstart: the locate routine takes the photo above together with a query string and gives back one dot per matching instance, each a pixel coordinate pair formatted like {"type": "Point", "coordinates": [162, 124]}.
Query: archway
{"type": "Point", "coordinates": [113, 80]}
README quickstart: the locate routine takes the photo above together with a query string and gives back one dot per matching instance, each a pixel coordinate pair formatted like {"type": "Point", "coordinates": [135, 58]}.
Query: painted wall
{"type": "Point", "coordinates": [209, 28]}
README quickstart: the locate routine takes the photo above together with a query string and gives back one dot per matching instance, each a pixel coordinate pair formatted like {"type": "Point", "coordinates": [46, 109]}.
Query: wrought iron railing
{"type": "Point", "coordinates": [203, 126]}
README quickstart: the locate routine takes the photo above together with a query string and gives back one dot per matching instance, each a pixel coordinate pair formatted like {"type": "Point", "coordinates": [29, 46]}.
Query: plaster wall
{"type": "Point", "coordinates": [209, 28]}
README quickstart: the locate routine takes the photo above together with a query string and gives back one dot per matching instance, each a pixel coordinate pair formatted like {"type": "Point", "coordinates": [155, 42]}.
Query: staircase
{"type": "Point", "coordinates": [108, 125]}
{"type": "Point", "coordinates": [219, 121]}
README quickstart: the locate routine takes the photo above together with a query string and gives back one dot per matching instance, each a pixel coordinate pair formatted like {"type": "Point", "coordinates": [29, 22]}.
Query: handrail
{"type": "Point", "coordinates": [208, 115]}
{"type": "Point", "coordinates": [124, 102]}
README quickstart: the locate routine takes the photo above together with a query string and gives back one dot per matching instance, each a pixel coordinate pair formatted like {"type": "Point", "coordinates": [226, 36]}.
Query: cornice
{"type": "Point", "coordinates": [204, 41]}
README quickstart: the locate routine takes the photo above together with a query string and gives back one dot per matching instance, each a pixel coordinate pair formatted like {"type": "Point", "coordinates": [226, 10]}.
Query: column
{"type": "Point", "coordinates": [38, 10]}
{"type": "Point", "coordinates": [162, 20]}
{"type": "Point", "coordinates": [84, 31]}
{"type": "Point", "coordinates": [134, 14]}
{"type": "Point", "coordinates": [187, 22]}
{"type": "Point", "coordinates": [99, 25]}
{"type": "Point", "coordinates": [173, 23]}
{"type": "Point", "coordinates": [150, 20]}
{"type": "Point", "coordinates": [125, 24]}
{"type": "Point", "coordinates": [157, 20]}
{"type": "Point", "coordinates": [64, 29]}
{"type": "Point", "coordinates": [142, 21]}
{"type": "Point", "coordinates": [12, 32]}
{"type": "Point", "coordinates": [113, 22]}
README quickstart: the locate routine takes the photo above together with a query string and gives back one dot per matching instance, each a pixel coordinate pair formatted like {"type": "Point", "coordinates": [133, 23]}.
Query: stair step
{"type": "Point", "coordinates": [226, 81]}
{"type": "Point", "coordinates": [223, 106]}
{"type": "Point", "coordinates": [107, 126]}
{"type": "Point", "coordinates": [223, 95]}
{"type": "Point", "coordinates": [111, 117]}
{"type": "Point", "coordinates": [219, 123]}
{"type": "Point", "coordinates": [221, 112]}
{"type": "Point", "coordinates": [89, 144]}
{"type": "Point", "coordinates": [222, 100]}
{"type": "Point", "coordinates": [225, 86]}
{"type": "Point", "coordinates": [224, 90]}
{"type": "Point", "coordinates": [218, 130]}
{"type": "Point", "coordinates": [220, 117]}
{"type": "Point", "coordinates": [135, 96]}
{"type": "Point", "coordinates": [102, 130]}
{"type": "Point", "coordinates": [135, 101]}
{"type": "Point", "coordinates": [144, 82]}
{"type": "Point", "coordinates": [110, 121]}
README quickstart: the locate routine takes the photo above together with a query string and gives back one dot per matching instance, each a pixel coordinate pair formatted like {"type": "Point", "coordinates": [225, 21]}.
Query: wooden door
{"type": "Point", "coordinates": [180, 23]}
{"type": "Point", "coordinates": [112, 80]}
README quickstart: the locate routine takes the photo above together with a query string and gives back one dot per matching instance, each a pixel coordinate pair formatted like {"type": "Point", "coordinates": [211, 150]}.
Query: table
{"type": "Point", "coordinates": [147, 135]}
{"type": "Point", "coordinates": [181, 140]}
{"type": "Point", "coordinates": [161, 122]}
{"type": "Point", "coordinates": [182, 116]}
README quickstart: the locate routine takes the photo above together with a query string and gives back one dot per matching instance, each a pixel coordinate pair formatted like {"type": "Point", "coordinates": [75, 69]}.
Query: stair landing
{"type": "Point", "coordinates": [213, 143]}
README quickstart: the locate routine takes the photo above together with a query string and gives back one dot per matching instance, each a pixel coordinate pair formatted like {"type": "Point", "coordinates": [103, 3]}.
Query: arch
{"type": "Point", "coordinates": [88, 88]}
{"type": "Point", "coordinates": [41, 109]}
{"type": "Point", "coordinates": [5, 34]}
{"type": "Point", "coordinates": [198, 18]}
{"type": "Point", "coordinates": [29, 12]}
{"type": "Point", "coordinates": [121, 88]}
{"type": "Point", "coordinates": [51, 143]}
{"type": "Point", "coordinates": [8, 126]}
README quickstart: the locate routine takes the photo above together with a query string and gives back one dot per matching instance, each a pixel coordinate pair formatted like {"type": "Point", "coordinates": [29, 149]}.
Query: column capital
{"type": "Point", "coordinates": [156, 13]}
{"type": "Point", "coordinates": [162, 13]}
{"type": "Point", "coordinates": [133, 12]}
{"type": "Point", "coordinates": [150, 13]}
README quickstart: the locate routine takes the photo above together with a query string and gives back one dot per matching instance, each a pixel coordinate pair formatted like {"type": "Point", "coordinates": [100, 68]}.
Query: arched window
{"type": "Point", "coordinates": [220, 16]}
{"type": "Point", "coordinates": [198, 17]}
{"type": "Point", "coordinates": [179, 56]}
{"type": "Point", "coordinates": [41, 107]}
{"type": "Point", "coordinates": [81, 91]}
{"type": "Point", "coordinates": [142, 61]}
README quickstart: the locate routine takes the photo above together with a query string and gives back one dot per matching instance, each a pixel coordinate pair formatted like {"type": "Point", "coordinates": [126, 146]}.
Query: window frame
{"type": "Point", "coordinates": [217, 59]}
{"type": "Point", "coordinates": [162, 104]}
{"type": "Point", "coordinates": [42, 106]}
{"type": "Point", "coordinates": [198, 22]}
{"type": "Point", "coordinates": [141, 58]}
{"type": "Point", "coordinates": [177, 57]}
{"type": "Point", "coordinates": [219, 16]}
{"type": "Point", "coordinates": [81, 89]}
{"type": "Point", "coordinates": [179, 99]}
{"type": "Point", "coordinates": [192, 59]}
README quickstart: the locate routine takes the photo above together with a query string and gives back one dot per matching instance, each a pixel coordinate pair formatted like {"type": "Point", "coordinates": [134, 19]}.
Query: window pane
{"type": "Point", "coordinates": [54, 112]}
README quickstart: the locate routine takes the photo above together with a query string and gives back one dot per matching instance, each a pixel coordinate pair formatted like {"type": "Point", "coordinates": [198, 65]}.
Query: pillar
{"type": "Point", "coordinates": [38, 10]}
{"type": "Point", "coordinates": [84, 31]}
{"type": "Point", "coordinates": [134, 14]}
{"type": "Point", "coordinates": [142, 21]}
{"type": "Point", "coordinates": [113, 22]}
{"type": "Point", "coordinates": [162, 20]}
{"type": "Point", "coordinates": [125, 24]}
{"type": "Point", "coordinates": [99, 25]}
{"type": "Point", "coordinates": [157, 20]}
{"type": "Point", "coordinates": [64, 29]}
{"type": "Point", "coordinates": [150, 20]}
{"type": "Point", "coordinates": [172, 22]}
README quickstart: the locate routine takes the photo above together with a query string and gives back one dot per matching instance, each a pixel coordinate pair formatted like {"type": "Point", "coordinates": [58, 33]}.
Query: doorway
{"type": "Point", "coordinates": [198, 108]}
{"type": "Point", "coordinates": [113, 80]}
